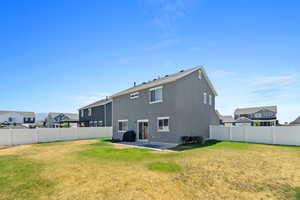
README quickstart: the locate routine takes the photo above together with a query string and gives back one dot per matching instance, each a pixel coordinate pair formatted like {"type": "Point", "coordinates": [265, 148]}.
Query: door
{"type": "Point", "coordinates": [143, 130]}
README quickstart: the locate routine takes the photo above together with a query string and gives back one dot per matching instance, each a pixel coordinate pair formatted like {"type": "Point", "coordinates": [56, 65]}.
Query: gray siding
{"type": "Point", "coordinates": [99, 113]}
{"type": "Point", "coordinates": [182, 102]}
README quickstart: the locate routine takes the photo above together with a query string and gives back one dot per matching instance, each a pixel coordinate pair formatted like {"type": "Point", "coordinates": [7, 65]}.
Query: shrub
{"type": "Point", "coordinates": [192, 140]}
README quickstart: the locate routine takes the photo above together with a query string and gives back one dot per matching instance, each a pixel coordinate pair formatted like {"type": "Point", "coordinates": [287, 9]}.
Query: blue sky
{"type": "Point", "coordinates": [59, 55]}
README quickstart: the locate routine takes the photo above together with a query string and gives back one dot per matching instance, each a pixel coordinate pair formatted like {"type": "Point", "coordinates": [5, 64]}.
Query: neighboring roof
{"type": "Point", "coordinates": [73, 116]}
{"type": "Point", "coordinates": [297, 121]}
{"type": "Point", "coordinates": [97, 103]}
{"type": "Point", "coordinates": [252, 110]}
{"type": "Point", "coordinates": [28, 114]}
{"type": "Point", "coordinates": [243, 120]}
{"type": "Point", "coordinates": [227, 119]}
{"type": "Point", "coordinates": [165, 80]}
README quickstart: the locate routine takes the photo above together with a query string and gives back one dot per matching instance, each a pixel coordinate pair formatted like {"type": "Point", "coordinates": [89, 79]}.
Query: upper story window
{"type": "Point", "coordinates": [163, 124]}
{"type": "Point", "coordinates": [82, 113]}
{"type": "Point", "coordinates": [205, 98]}
{"type": "Point", "coordinates": [200, 74]}
{"type": "Point", "coordinates": [210, 100]}
{"type": "Point", "coordinates": [89, 112]}
{"type": "Point", "coordinates": [156, 95]}
{"type": "Point", "coordinates": [122, 125]}
{"type": "Point", "coordinates": [258, 115]}
{"type": "Point", "coordinates": [134, 95]}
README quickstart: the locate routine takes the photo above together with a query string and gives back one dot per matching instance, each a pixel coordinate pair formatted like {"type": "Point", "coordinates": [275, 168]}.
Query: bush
{"type": "Point", "coordinates": [192, 140]}
{"type": "Point", "coordinates": [129, 136]}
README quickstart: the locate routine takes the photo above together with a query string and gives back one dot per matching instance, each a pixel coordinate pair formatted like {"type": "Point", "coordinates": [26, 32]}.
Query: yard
{"type": "Point", "coordinates": [98, 169]}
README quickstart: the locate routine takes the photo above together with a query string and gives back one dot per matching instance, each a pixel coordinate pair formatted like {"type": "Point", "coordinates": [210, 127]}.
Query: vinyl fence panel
{"type": "Point", "coordinates": [10, 137]}
{"type": "Point", "coordinates": [285, 135]}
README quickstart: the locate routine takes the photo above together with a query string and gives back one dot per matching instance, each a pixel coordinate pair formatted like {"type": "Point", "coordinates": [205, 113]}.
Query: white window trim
{"type": "Point", "coordinates": [200, 74]}
{"type": "Point", "coordinates": [135, 95]}
{"type": "Point", "coordinates": [90, 112]}
{"type": "Point", "coordinates": [210, 99]}
{"type": "Point", "coordinates": [205, 98]}
{"type": "Point", "coordinates": [163, 130]}
{"type": "Point", "coordinates": [156, 88]}
{"type": "Point", "coordinates": [82, 113]}
{"type": "Point", "coordinates": [122, 120]}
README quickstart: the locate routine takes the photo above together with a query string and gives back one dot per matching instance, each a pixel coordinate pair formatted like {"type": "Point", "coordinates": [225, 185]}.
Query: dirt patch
{"type": "Point", "coordinates": [122, 146]}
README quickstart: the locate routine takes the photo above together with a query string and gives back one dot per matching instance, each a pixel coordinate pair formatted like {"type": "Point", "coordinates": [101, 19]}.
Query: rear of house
{"type": "Point", "coordinates": [97, 114]}
{"type": "Point", "coordinates": [166, 109]}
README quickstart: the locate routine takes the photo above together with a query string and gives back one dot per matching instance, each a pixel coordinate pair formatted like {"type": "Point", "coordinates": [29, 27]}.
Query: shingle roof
{"type": "Point", "coordinates": [297, 121]}
{"type": "Point", "coordinates": [165, 80]}
{"type": "Point", "coordinates": [28, 114]}
{"type": "Point", "coordinates": [97, 103]}
{"type": "Point", "coordinates": [252, 110]}
{"type": "Point", "coordinates": [227, 119]}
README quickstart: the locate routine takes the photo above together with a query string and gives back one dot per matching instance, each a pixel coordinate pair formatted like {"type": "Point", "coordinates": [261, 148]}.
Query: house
{"type": "Point", "coordinates": [97, 114]}
{"type": "Point", "coordinates": [296, 122]}
{"type": "Point", "coordinates": [243, 121]}
{"type": "Point", "coordinates": [166, 109]}
{"type": "Point", "coordinates": [17, 117]}
{"type": "Point", "coordinates": [58, 120]}
{"type": "Point", "coordinates": [227, 120]}
{"type": "Point", "coordinates": [257, 116]}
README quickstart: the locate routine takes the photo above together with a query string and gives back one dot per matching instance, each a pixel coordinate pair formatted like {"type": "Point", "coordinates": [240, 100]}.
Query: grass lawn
{"type": "Point", "coordinates": [98, 169]}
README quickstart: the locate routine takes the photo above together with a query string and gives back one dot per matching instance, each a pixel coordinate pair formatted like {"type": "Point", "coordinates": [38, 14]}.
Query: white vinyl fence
{"type": "Point", "coordinates": [284, 135]}
{"type": "Point", "coordinates": [11, 137]}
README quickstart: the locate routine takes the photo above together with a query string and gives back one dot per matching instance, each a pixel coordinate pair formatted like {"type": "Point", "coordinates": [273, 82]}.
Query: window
{"type": "Point", "coordinates": [205, 98]}
{"type": "Point", "coordinates": [123, 125]}
{"type": "Point", "coordinates": [82, 113]}
{"type": "Point", "coordinates": [156, 95]}
{"type": "Point", "coordinates": [134, 95]}
{"type": "Point", "coordinates": [163, 124]}
{"type": "Point", "coordinates": [100, 123]}
{"type": "Point", "coordinates": [258, 115]}
{"type": "Point", "coordinates": [210, 100]}
{"type": "Point", "coordinates": [90, 112]}
{"type": "Point", "coordinates": [200, 74]}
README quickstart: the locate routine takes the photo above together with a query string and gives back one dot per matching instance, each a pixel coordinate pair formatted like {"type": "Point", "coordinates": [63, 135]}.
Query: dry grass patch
{"type": "Point", "coordinates": [93, 169]}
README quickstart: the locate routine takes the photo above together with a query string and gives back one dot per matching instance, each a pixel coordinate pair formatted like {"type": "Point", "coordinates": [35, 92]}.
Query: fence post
{"type": "Point", "coordinates": [273, 134]}
{"type": "Point", "coordinates": [230, 133]}
{"type": "Point", "coordinates": [37, 135]}
{"type": "Point", "coordinates": [11, 137]}
{"type": "Point", "coordinates": [244, 134]}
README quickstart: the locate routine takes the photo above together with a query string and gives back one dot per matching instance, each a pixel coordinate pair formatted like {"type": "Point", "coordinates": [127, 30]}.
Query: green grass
{"type": "Point", "coordinates": [21, 179]}
{"type": "Point", "coordinates": [213, 144]}
{"type": "Point", "coordinates": [297, 195]}
{"type": "Point", "coordinates": [105, 150]}
{"type": "Point", "coordinates": [164, 167]}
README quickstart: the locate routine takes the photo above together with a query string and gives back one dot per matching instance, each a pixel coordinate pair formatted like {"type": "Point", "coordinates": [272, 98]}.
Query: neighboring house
{"type": "Point", "coordinates": [97, 114]}
{"type": "Point", "coordinates": [166, 109]}
{"type": "Point", "coordinates": [296, 122]}
{"type": "Point", "coordinates": [17, 117]}
{"type": "Point", "coordinates": [227, 120]}
{"type": "Point", "coordinates": [58, 120]}
{"type": "Point", "coordinates": [259, 116]}
{"type": "Point", "coordinates": [243, 121]}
